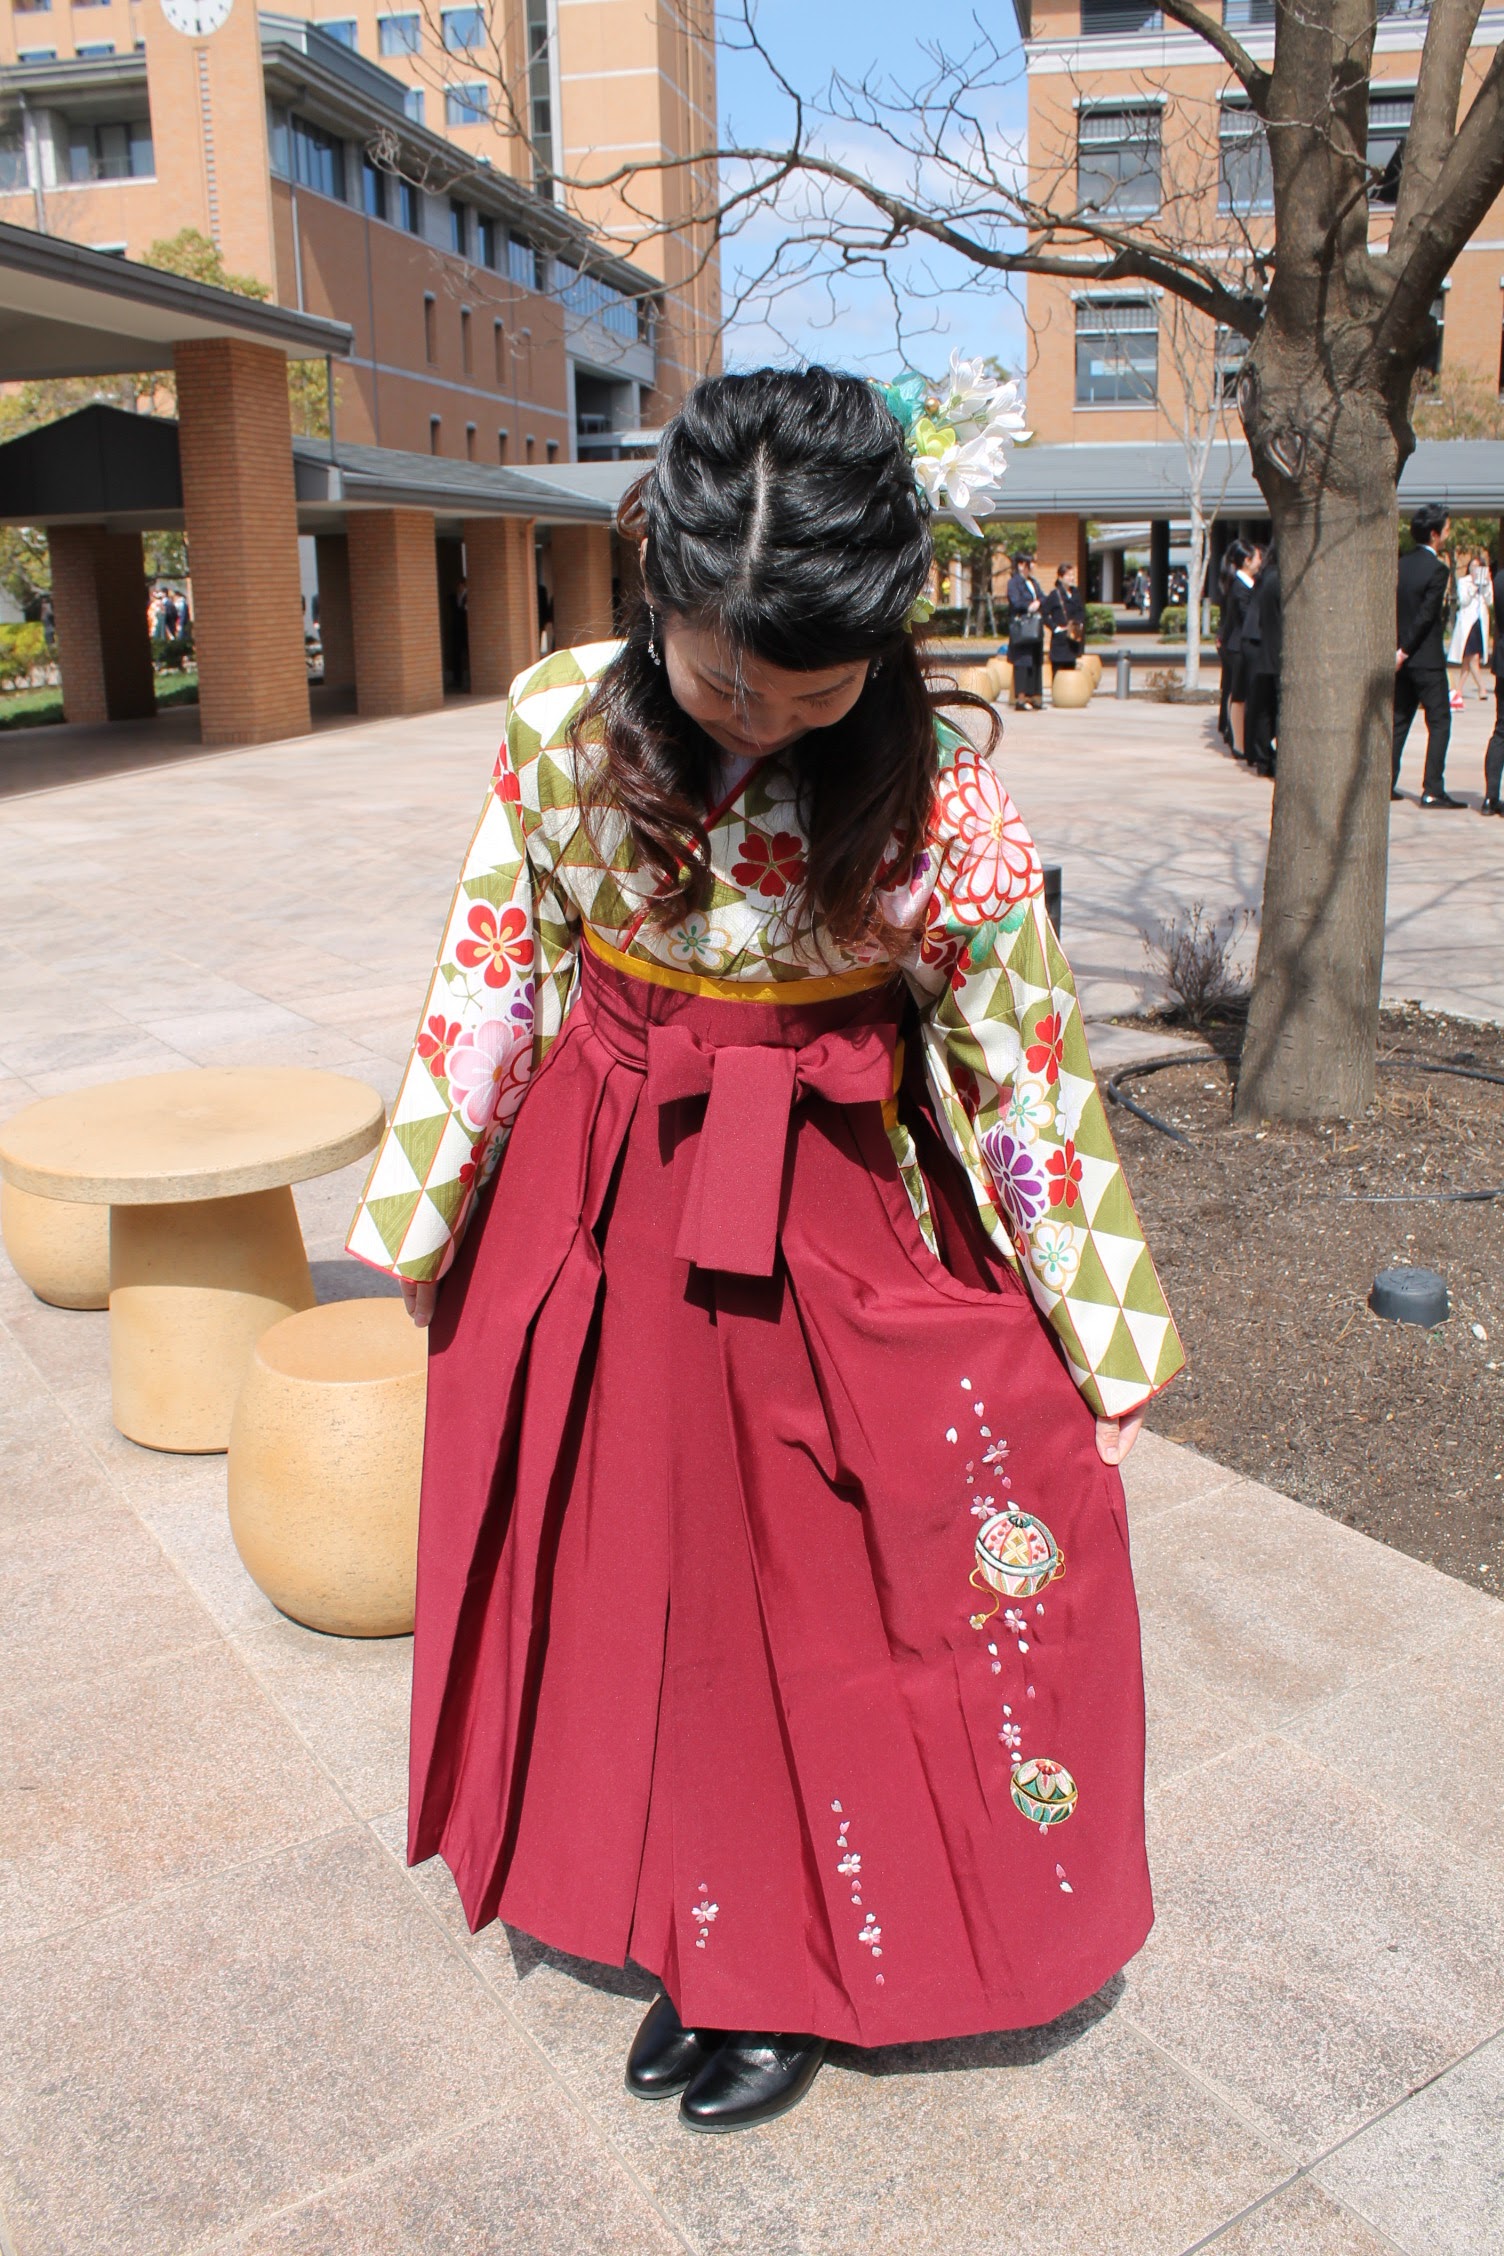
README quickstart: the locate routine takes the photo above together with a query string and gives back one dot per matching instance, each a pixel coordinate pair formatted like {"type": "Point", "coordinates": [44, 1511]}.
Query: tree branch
{"type": "Point", "coordinates": [1433, 117]}
{"type": "Point", "coordinates": [1467, 185]}
{"type": "Point", "coordinates": [1252, 75]}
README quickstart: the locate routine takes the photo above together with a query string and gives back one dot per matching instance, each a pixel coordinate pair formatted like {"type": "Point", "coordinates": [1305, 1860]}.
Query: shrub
{"type": "Point", "coordinates": [948, 619]}
{"type": "Point", "coordinates": [1101, 622]}
{"type": "Point", "coordinates": [23, 649]}
{"type": "Point", "coordinates": [172, 654]}
{"type": "Point", "coordinates": [1193, 954]}
{"type": "Point", "coordinates": [1172, 622]}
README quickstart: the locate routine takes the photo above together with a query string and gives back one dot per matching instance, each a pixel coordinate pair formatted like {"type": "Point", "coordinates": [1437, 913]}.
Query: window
{"type": "Point", "coordinates": [430, 328]}
{"type": "Point", "coordinates": [465, 362]}
{"type": "Point", "coordinates": [412, 103]}
{"type": "Point", "coordinates": [95, 47]}
{"type": "Point", "coordinates": [540, 95]}
{"type": "Point", "coordinates": [485, 240]}
{"type": "Point", "coordinates": [1231, 351]}
{"type": "Point", "coordinates": [37, 55]}
{"type": "Point", "coordinates": [469, 442]}
{"type": "Point", "coordinates": [398, 35]}
{"type": "Point", "coordinates": [502, 436]}
{"type": "Point", "coordinates": [110, 152]}
{"type": "Point", "coordinates": [499, 351]}
{"type": "Point", "coordinates": [522, 262]}
{"type": "Point", "coordinates": [1388, 124]}
{"type": "Point", "coordinates": [33, 7]}
{"type": "Point", "coordinates": [1247, 15]}
{"type": "Point", "coordinates": [1117, 160]}
{"type": "Point", "coordinates": [307, 154]}
{"type": "Point", "coordinates": [1110, 18]}
{"type": "Point", "coordinates": [467, 105]}
{"type": "Point", "coordinates": [1245, 182]}
{"type": "Point", "coordinates": [1117, 352]}
{"type": "Point", "coordinates": [435, 428]}
{"type": "Point", "coordinates": [597, 301]}
{"type": "Point", "coordinates": [346, 31]}
{"type": "Point", "coordinates": [372, 189]}
{"type": "Point", "coordinates": [551, 449]}
{"type": "Point", "coordinates": [13, 161]}
{"type": "Point", "coordinates": [459, 226]}
{"type": "Point", "coordinates": [528, 445]}
{"type": "Point", "coordinates": [409, 208]}
{"type": "Point", "coordinates": [464, 28]}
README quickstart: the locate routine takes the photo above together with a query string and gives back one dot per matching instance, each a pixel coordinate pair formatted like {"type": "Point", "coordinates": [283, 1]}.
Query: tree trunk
{"type": "Point", "coordinates": [1328, 459]}
{"type": "Point", "coordinates": [1194, 578]}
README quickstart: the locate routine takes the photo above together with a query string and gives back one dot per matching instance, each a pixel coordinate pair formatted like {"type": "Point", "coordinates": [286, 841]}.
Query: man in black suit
{"type": "Point", "coordinates": [1493, 758]}
{"type": "Point", "coordinates": [1420, 662]}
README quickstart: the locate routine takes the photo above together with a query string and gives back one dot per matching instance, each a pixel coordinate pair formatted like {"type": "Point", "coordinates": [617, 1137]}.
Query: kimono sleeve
{"type": "Point", "coordinates": [1007, 1044]}
{"type": "Point", "coordinates": [495, 1003]}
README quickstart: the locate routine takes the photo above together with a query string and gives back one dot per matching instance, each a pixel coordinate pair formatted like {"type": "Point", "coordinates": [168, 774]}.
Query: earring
{"type": "Point", "coordinates": [653, 638]}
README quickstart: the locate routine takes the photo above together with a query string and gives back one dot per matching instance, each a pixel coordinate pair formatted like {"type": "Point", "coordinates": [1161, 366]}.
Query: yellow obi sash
{"type": "Point", "coordinates": [739, 990]}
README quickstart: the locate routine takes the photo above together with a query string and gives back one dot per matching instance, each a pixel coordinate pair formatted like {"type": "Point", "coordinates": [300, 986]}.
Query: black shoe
{"type": "Point", "coordinates": [757, 2074]}
{"type": "Point", "coordinates": [1396, 795]}
{"type": "Point", "coordinates": [1492, 807]}
{"type": "Point", "coordinates": [665, 2056]}
{"type": "Point", "coordinates": [1440, 799]}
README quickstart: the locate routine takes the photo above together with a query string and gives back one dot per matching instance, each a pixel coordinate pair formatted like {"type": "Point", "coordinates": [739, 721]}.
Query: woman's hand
{"type": "Point", "coordinates": [418, 1300]}
{"type": "Point", "coordinates": [1115, 1436]}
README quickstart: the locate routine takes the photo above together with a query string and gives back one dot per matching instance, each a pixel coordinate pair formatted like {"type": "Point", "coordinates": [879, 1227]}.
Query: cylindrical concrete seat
{"type": "Point", "coordinates": [1091, 661]}
{"type": "Point", "coordinates": [57, 1247]}
{"type": "Point", "coordinates": [1072, 687]}
{"type": "Point", "coordinates": [326, 1458]}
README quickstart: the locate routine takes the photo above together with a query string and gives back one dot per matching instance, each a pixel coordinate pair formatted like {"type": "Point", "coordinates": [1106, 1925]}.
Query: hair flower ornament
{"type": "Point", "coordinates": [959, 435]}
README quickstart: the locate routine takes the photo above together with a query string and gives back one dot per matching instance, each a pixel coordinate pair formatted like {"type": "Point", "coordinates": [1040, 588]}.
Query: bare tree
{"type": "Point", "coordinates": [1198, 409]}
{"type": "Point", "coordinates": [1336, 330]}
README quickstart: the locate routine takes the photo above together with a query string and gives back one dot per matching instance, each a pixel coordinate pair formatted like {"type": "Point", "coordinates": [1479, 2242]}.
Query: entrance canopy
{"type": "Point", "coordinates": [68, 311]}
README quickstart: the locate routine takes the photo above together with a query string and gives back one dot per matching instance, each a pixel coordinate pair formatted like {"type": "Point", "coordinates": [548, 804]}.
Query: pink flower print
{"type": "Point", "coordinates": [850, 1864]}
{"type": "Point", "coordinates": [485, 1065]}
{"type": "Point", "coordinates": [499, 946]}
{"type": "Point", "coordinates": [995, 864]}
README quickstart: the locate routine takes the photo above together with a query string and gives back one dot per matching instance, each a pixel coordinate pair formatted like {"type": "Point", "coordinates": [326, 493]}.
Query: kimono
{"type": "Point", "coordinates": [775, 1620]}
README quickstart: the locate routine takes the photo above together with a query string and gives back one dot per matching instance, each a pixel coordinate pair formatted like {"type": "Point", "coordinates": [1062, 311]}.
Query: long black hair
{"type": "Point", "coordinates": [782, 512]}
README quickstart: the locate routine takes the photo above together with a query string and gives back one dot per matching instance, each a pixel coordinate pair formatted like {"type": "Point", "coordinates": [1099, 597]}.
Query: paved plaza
{"type": "Point", "coordinates": [233, 2023]}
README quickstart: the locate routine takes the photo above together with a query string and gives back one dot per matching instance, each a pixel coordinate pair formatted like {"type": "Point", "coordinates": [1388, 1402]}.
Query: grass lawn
{"type": "Point", "coordinates": [36, 708]}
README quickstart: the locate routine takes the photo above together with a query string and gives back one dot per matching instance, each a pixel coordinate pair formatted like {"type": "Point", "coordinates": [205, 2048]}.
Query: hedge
{"type": "Point", "coordinates": [1172, 622]}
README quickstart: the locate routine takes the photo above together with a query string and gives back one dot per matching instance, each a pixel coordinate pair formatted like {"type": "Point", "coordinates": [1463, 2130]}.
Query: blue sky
{"type": "Point", "coordinates": [849, 320]}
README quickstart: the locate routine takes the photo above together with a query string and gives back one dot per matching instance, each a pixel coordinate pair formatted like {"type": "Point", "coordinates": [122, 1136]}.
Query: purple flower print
{"type": "Point", "coordinates": [1020, 1183]}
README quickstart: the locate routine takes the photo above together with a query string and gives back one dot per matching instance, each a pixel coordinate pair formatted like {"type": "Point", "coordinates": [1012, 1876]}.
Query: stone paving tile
{"type": "Point", "coordinates": [1160, 1475]}
{"type": "Point", "coordinates": [521, 2184]}
{"type": "Point", "coordinates": [1279, 1607]}
{"type": "Point", "coordinates": [1431, 2175]}
{"type": "Point", "coordinates": [1301, 2221]}
{"type": "Point", "coordinates": [348, 1698]}
{"type": "Point", "coordinates": [1315, 1955]}
{"type": "Point", "coordinates": [1189, 1722]}
{"type": "Point", "coordinates": [172, 2072]}
{"type": "Point", "coordinates": [115, 1783]}
{"type": "Point", "coordinates": [1438, 1714]}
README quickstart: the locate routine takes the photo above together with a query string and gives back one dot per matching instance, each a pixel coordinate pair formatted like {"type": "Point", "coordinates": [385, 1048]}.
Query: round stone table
{"type": "Point", "coordinates": [205, 1248]}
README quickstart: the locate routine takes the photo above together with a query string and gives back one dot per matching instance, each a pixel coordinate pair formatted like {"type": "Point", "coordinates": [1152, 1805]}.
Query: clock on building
{"type": "Point", "coordinates": [196, 19]}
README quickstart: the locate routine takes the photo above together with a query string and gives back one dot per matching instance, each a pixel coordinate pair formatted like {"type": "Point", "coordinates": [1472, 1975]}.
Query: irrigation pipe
{"type": "Point", "coordinates": [1117, 1096]}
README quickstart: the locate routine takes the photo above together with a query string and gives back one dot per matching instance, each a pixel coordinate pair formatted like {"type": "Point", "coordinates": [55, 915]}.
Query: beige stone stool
{"type": "Point", "coordinates": [326, 1458]}
{"type": "Point", "coordinates": [205, 1248]}
{"type": "Point", "coordinates": [1072, 687]}
{"type": "Point", "coordinates": [57, 1247]}
{"type": "Point", "coordinates": [1092, 662]}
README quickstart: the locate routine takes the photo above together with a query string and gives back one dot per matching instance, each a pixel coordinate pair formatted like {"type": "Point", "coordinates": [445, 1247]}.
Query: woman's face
{"type": "Point", "coordinates": [749, 708]}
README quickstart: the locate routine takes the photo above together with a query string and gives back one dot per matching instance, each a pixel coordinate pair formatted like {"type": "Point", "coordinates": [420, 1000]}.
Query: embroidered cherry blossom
{"type": "Point", "coordinates": [438, 1037]}
{"type": "Point", "coordinates": [994, 863]}
{"type": "Point", "coordinates": [698, 944]}
{"type": "Point", "coordinates": [850, 1863]}
{"type": "Point", "coordinates": [500, 944]}
{"type": "Point", "coordinates": [1064, 1171]}
{"type": "Point", "coordinates": [1056, 1248]}
{"type": "Point", "coordinates": [487, 1065]}
{"type": "Point", "coordinates": [770, 866]}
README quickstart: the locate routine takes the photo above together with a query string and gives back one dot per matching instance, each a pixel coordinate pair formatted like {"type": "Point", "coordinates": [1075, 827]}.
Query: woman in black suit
{"type": "Point", "coordinates": [1025, 634]}
{"type": "Point", "coordinates": [1064, 614]}
{"type": "Point", "coordinates": [1240, 568]}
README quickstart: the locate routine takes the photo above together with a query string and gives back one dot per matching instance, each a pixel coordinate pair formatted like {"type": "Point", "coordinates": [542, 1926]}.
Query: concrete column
{"type": "Point", "coordinates": [1112, 575]}
{"type": "Point", "coordinates": [502, 576]}
{"type": "Point", "coordinates": [336, 629]}
{"type": "Point", "coordinates": [582, 584]}
{"type": "Point", "coordinates": [1159, 568]}
{"type": "Point", "coordinates": [99, 618]}
{"type": "Point", "coordinates": [394, 608]}
{"type": "Point", "coordinates": [240, 510]}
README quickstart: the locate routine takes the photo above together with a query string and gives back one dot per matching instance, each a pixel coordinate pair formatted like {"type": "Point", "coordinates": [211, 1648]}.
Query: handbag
{"type": "Point", "coordinates": [1027, 631]}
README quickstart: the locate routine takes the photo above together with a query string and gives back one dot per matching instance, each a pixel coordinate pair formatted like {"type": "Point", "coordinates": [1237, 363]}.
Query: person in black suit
{"type": "Point", "coordinates": [1493, 758]}
{"type": "Point", "coordinates": [1420, 662]}
{"type": "Point", "coordinates": [1064, 614]}
{"type": "Point", "coordinates": [1025, 634]}
{"type": "Point", "coordinates": [1240, 568]}
{"type": "Point", "coordinates": [1263, 640]}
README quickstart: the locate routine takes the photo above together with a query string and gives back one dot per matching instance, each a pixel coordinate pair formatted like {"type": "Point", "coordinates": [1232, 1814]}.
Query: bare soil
{"type": "Point", "coordinates": [1268, 1241]}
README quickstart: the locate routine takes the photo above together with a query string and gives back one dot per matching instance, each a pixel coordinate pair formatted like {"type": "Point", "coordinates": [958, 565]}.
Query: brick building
{"type": "Point", "coordinates": [1135, 115]}
{"type": "Point", "coordinates": [409, 174]}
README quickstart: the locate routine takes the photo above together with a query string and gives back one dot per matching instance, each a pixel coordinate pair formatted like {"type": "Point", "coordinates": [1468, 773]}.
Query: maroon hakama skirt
{"type": "Point", "coordinates": [710, 1671]}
